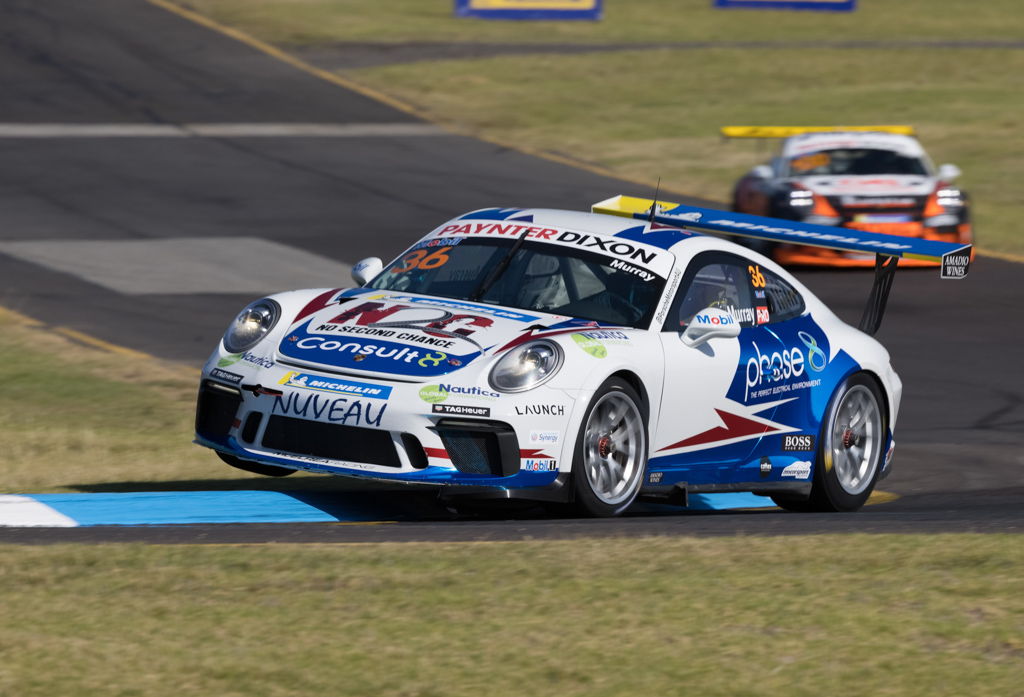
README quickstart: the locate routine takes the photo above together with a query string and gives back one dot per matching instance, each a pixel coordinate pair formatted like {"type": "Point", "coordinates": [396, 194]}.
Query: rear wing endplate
{"type": "Point", "coordinates": [954, 259]}
{"type": "Point", "coordinates": [787, 131]}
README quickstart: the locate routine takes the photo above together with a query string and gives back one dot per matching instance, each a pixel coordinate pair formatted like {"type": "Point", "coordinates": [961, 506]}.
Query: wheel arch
{"type": "Point", "coordinates": [637, 384]}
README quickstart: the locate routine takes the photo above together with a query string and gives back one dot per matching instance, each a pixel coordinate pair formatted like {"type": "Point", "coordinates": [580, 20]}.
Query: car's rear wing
{"type": "Point", "coordinates": [954, 259]}
{"type": "Point", "coordinates": [787, 131]}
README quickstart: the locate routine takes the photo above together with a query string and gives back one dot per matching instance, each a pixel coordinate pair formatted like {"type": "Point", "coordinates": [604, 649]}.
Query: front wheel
{"type": "Point", "coordinates": [851, 446]}
{"type": "Point", "coordinates": [611, 451]}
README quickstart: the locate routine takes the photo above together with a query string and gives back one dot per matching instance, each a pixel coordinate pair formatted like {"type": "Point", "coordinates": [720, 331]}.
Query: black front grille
{"type": "Point", "coordinates": [215, 411]}
{"type": "Point", "coordinates": [331, 441]}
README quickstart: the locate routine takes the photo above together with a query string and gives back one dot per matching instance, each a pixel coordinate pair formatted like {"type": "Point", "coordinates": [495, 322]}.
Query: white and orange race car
{"type": "Point", "coordinates": [871, 178]}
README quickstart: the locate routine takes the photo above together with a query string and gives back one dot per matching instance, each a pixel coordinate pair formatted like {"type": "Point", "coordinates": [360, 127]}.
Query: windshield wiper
{"type": "Point", "coordinates": [495, 273]}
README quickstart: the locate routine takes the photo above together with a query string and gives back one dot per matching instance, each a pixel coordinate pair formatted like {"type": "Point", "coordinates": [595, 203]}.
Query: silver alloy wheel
{"type": "Point", "coordinates": [855, 439]}
{"type": "Point", "coordinates": [614, 447]}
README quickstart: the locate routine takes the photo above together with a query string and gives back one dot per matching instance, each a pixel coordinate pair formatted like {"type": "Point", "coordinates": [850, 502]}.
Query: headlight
{"type": "Point", "coordinates": [526, 367]}
{"type": "Point", "coordinates": [252, 324]}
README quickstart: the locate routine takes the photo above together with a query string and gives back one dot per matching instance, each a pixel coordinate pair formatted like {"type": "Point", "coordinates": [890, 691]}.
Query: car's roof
{"type": "Point", "coordinates": [814, 142]}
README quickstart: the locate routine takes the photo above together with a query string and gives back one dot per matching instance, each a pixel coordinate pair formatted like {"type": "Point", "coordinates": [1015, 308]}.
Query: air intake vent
{"type": "Point", "coordinates": [331, 441]}
{"type": "Point", "coordinates": [215, 411]}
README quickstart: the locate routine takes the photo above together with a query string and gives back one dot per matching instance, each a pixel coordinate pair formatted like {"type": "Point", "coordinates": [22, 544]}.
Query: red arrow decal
{"type": "Point", "coordinates": [735, 427]}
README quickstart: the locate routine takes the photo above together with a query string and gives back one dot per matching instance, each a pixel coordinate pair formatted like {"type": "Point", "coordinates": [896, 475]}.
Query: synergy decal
{"type": "Point", "coordinates": [340, 410]}
{"type": "Point", "coordinates": [798, 470]}
{"type": "Point", "coordinates": [541, 410]}
{"type": "Point", "coordinates": [434, 394]}
{"type": "Point", "coordinates": [233, 358]}
{"type": "Point", "coordinates": [797, 443]}
{"type": "Point", "coordinates": [460, 410]}
{"type": "Point", "coordinates": [325, 384]}
{"type": "Point", "coordinates": [233, 378]}
{"type": "Point", "coordinates": [545, 436]}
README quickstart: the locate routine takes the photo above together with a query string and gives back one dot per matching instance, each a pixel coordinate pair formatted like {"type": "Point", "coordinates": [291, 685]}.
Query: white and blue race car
{"type": "Point", "coordinates": [590, 358]}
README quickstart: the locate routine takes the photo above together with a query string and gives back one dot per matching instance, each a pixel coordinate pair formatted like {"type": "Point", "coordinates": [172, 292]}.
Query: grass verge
{"type": "Point", "coordinates": [656, 113]}
{"type": "Point", "coordinates": [75, 417]}
{"type": "Point", "coordinates": [874, 615]}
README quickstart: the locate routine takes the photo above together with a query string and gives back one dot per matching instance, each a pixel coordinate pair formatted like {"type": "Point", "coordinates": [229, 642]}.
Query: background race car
{"type": "Point", "coordinates": [872, 178]}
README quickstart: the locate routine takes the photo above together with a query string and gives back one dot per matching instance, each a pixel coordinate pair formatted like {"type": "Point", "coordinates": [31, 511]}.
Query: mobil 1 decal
{"type": "Point", "coordinates": [374, 334]}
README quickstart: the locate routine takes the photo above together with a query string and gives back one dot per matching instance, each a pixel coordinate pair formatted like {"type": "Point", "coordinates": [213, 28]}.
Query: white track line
{"type": "Point", "coordinates": [218, 130]}
{"type": "Point", "coordinates": [24, 512]}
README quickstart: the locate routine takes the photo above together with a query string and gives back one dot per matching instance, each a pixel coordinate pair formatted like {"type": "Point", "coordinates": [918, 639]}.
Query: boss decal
{"type": "Point", "coordinates": [797, 443]}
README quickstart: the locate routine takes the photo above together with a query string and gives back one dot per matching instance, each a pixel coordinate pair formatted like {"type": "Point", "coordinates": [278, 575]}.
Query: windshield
{"type": "Point", "coordinates": [855, 161]}
{"type": "Point", "coordinates": [544, 277]}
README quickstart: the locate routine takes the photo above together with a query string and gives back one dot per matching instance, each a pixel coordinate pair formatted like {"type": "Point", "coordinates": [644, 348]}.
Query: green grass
{"type": "Point", "coordinates": [625, 21]}
{"type": "Point", "coordinates": [656, 113]}
{"type": "Point", "coordinates": [75, 418]}
{"type": "Point", "coordinates": [870, 615]}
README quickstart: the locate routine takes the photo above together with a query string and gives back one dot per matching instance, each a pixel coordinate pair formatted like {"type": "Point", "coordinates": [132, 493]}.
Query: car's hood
{"type": "Point", "coordinates": [873, 186]}
{"type": "Point", "coordinates": [413, 336]}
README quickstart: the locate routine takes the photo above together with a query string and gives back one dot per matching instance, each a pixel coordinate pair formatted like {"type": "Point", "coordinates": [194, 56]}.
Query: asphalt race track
{"type": "Point", "coordinates": [133, 142]}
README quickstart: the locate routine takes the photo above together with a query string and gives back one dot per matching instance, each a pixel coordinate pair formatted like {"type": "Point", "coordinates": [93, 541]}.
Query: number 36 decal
{"type": "Point", "coordinates": [423, 259]}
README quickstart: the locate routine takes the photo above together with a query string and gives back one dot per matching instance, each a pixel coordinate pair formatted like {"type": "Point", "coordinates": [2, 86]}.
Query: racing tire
{"type": "Point", "coordinates": [851, 445]}
{"type": "Point", "coordinates": [255, 467]}
{"type": "Point", "coordinates": [610, 457]}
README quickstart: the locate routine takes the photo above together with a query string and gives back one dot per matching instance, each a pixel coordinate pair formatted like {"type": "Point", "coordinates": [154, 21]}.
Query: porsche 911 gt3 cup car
{"type": "Point", "coordinates": [574, 357]}
{"type": "Point", "coordinates": [868, 180]}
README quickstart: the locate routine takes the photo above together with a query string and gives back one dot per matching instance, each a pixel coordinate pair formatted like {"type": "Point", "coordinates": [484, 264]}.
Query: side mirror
{"type": "Point", "coordinates": [710, 323]}
{"type": "Point", "coordinates": [367, 270]}
{"type": "Point", "coordinates": [761, 172]}
{"type": "Point", "coordinates": [948, 172]}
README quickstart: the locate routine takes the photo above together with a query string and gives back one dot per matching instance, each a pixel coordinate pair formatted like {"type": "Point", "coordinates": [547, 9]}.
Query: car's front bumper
{"type": "Point", "coordinates": [512, 442]}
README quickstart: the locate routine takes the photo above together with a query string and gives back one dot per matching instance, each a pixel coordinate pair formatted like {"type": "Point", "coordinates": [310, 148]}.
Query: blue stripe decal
{"type": "Point", "coordinates": [196, 507]}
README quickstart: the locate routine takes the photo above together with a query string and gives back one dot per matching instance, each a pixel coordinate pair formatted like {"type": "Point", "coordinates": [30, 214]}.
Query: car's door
{"type": "Point", "coordinates": [718, 396]}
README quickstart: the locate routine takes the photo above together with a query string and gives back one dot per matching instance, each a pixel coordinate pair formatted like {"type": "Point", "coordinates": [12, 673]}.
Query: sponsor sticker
{"type": "Point", "coordinates": [540, 465]}
{"type": "Point", "coordinates": [766, 467]}
{"type": "Point", "coordinates": [340, 410]}
{"type": "Point", "coordinates": [232, 358]}
{"type": "Point", "coordinates": [540, 410]}
{"type": "Point", "coordinates": [797, 443]}
{"type": "Point", "coordinates": [326, 384]}
{"type": "Point", "coordinates": [798, 470]}
{"type": "Point", "coordinates": [545, 436]}
{"type": "Point", "coordinates": [460, 410]}
{"type": "Point", "coordinates": [233, 378]}
{"type": "Point", "coordinates": [762, 315]}
{"type": "Point", "coordinates": [955, 264]}
{"type": "Point", "coordinates": [655, 477]}
{"type": "Point", "coordinates": [433, 394]}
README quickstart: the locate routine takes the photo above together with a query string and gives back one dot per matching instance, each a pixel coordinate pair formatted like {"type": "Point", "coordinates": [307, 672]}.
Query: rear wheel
{"type": "Point", "coordinates": [611, 451]}
{"type": "Point", "coordinates": [850, 449]}
{"type": "Point", "coordinates": [255, 467]}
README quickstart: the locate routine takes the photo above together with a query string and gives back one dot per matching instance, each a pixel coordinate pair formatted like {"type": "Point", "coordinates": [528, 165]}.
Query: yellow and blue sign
{"type": "Point", "coordinates": [819, 5]}
{"type": "Point", "coordinates": [529, 9]}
